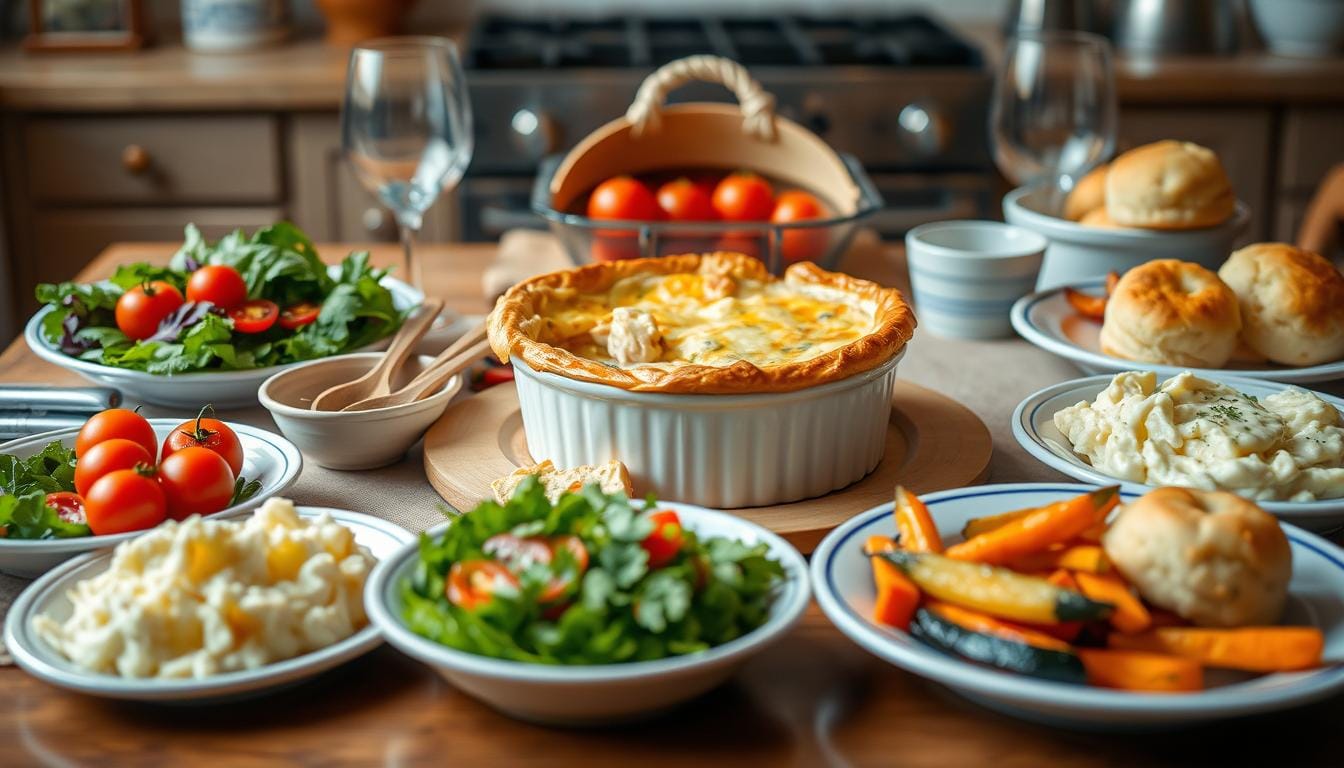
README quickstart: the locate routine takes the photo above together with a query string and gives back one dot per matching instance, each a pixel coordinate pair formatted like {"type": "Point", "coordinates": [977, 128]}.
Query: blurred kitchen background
{"type": "Point", "coordinates": [115, 128]}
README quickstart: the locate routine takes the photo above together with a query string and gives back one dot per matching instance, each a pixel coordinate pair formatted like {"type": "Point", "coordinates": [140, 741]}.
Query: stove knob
{"type": "Point", "coordinates": [922, 130]}
{"type": "Point", "coordinates": [534, 133]}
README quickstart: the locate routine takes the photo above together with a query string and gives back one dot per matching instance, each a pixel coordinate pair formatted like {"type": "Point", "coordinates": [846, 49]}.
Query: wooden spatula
{"type": "Point", "coordinates": [378, 381]}
{"type": "Point", "coordinates": [432, 378]}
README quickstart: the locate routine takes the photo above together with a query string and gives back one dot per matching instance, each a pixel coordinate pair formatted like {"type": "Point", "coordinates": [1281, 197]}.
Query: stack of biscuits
{"type": "Point", "coordinates": [1166, 185]}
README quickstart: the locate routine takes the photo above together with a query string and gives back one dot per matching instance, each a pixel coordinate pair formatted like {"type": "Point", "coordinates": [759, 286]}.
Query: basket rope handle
{"type": "Point", "coordinates": [758, 105]}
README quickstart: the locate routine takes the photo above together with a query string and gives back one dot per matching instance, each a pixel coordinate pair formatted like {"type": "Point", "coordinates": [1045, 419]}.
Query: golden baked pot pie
{"type": "Point", "coordinates": [716, 323]}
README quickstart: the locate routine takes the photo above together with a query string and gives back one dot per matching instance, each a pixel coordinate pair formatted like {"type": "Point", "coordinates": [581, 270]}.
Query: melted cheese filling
{"type": "Point", "coordinates": [706, 320]}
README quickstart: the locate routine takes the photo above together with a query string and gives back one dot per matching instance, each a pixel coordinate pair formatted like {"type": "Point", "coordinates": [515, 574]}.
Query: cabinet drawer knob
{"type": "Point", "coordinates": [135, 159]}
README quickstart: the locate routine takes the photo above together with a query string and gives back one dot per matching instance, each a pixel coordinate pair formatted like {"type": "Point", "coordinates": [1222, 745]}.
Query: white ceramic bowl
{"type": "Point", "coordinates": [1310, 28]}
{"type": "Point", "coordinates": [267, 458]}
{"type": "Point", "coordinates": [48, 595]}
{"type": "Point", "coordinates": [843, 581]}
{"type": "Point", "coordinates": [224, 389]}
{"type": "Point", "coordinates": [721, 451]}
{"type": "Point", "coordinates": [354, 439]}
{"type": "Point", "coordinates": [1077, 253]}
{"type": "Point", "coordinates": [1034, 427]}
{"type": "Point", "coordinates": [967, 274]}
{"type": "Point", "coordinates": [595, 694]}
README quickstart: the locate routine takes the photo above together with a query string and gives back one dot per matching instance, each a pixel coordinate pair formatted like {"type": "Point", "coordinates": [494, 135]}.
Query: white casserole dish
{"type": "Point", "coordinates": [720, 451]}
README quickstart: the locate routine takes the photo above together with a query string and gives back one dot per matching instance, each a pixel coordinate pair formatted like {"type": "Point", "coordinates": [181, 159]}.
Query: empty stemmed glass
{"type": "Point", "coordinates": [406, 127]}
{"type": "Point", "coordinates": [1054, 110]}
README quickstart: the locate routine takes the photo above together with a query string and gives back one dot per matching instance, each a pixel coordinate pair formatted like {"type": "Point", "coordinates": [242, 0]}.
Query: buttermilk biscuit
{"type": "Point", "coordinates": [1173, 313]}
{"type": "Point", "coordinates": [1210, 556]}
{"type": "Point", "coordinates": [1292, 303]}
{"type": "Point", "coordinates": [1088, 195]}
{"type": "Point", "coordinates": [1168, 185]}
{"type": "Point", "coordinates": [1097, 218]}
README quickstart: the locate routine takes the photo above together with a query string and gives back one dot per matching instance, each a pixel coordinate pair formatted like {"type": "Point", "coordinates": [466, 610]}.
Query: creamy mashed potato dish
{"type": "Point", "coordinates": [202, 597]}
{"type": "Point", "coordinates": [1189, 431]}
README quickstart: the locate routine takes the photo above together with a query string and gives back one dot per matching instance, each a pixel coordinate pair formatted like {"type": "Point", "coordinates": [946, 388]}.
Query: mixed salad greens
{"type": "Point", "coordinates": [260, 301]}
{"type": "Point", "coordinates": [24, 486]}
{"type": "Point", "coordinates": [591, 579]}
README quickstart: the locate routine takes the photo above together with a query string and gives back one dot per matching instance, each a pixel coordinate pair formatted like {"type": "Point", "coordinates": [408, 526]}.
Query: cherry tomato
{"type": "Point", "coordinates": [117, 422]}
{"type": "Point", "coordinates": [665, 541]}
{"type": "Point", "coordinates": [207, 433]}
{"type": "Point", "coordinates": [474, 583]}
{"type": "Point", "coordinates": [125, 500]}
{"type": "Point", "coordinates": [609, 245]}
{"type": "Point", "coordinates": [805, 244]}
{"type": "Point", "coordinates": [519, 553]}
{"type": "Point", "coordinates": [623, 197]}
{"type": "Point", "coordinates": [195, 481]}
{"type": "Point", "coordinates": [218, 284]}
{"type": "Point", "coordinates": [744, 196]}
{"type": "Point", "coordinates": [109, 456]}
{"type": "Point", "coordinates": [69, 506]}
{"type": "Point", "coordinates": [299, 315]}
{"type": "Point", "coordinates": [740, 242]}
{"type": "Point", "coordinates": [140, 310]}
{"type": "Point", "coordinates": [255, 316]}
{"type": "Point", "coordinates": [684, 200]}
{"type": "Point", "coordinates": [497, 374]}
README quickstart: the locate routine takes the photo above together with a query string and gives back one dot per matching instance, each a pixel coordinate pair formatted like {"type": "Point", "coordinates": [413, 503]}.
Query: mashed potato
{"type": "Point", "coordinates": [201, 597]}
{"type": "Point", "coordinates": [1193, 432]}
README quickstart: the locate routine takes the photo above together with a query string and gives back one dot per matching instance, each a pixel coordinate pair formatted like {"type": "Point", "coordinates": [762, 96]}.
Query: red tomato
{"type": "Point", "coordinates": [109, 456]}
{"type": "Point", "coordinates": [740, 242]}
{"type": "Point", "coordinates": [195, 481]}
{"type": "Point", "coordinates": [125, 500]}
{"type": "Point", "coordinates": [497, 374]}
{"type": "Point", "coordinates": [625, 198]}
{"type": "Point", "coordinates": [744, 196]}
{"type": "Point", "coordinates": [520, 553]}
{"type": "Point", "coordinates": [299, 315]}
{"type": "Point", "coordinates": [212, 434]}
{"type": "Point", "coordinates": [218, 284]}
{"type": "Point", "coordinates": [116, 422]}
{"type": "Point", "coordinates": [806, 244]}
{"type": "Point", "coordinates": [254, 316]}
{"type": "Point", "coordinates": [665, 541]}
{"type": "Point", "coordinates": [474, 583]}
{"type": "Point", "coordinates": [140, 310]}
{"type": "Point", "coordinates": [69, 506]}
{"type": "Point", "coordinates": [684, 200]}
{"type": "Point", "coordinates": [614, 246]}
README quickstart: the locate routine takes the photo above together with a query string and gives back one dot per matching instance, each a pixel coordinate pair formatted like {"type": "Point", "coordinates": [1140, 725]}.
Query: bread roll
{"type": "Point", "coordinates": [1168, 185]}
{"type": "Point", "coordinates": [1292, 303]}
{"type": "Point", "coordinates": [1173, 313]}
{"type": "Point", "coordinates": [1098, 218]}
{"type": "Point", "coordinates": [612, 477]}
{"type": "Point", "coordinates": [1210, 556]}
{"type": "Point", "coordinates": [1088, 195]}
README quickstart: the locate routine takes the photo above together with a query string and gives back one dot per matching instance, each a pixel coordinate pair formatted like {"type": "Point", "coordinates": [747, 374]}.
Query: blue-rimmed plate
{"type": "Point", "coordinates": [1047, 321]}
{"type": "Point", "coordinates": [1034, 427]}
{"type": "Point", "coordinates": [843, 584]}
{"type": "Point", "coordinates": [268, 458]}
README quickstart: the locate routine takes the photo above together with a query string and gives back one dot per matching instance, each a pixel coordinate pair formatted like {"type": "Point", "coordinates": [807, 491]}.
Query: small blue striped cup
{"type": "Point", "coordinates": [967, 274]}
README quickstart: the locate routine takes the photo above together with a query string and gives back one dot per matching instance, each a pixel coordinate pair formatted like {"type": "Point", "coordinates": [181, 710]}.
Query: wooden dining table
{"type": "Point", "coordinates": [813, 699]}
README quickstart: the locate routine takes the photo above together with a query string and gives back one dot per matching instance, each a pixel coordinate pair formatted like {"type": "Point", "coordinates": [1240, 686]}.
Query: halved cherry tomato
{"type": "Point", "coordinates": [1087, 305]}
{"type": "Point", "coordinates": [255, 316]}
{"type": "Point", "coordinates": [497, 374]}
{"type": "Point", "coordinates": [140, 309]}
{"type": "Point", "coordinates": [474, 583]}
{"type": "Point", "coordinates": [684, 200]}
{"type": "Point", "coordinates": [519, 553]}
{"type": "Point", "coordinates": [212, 434]}
{"type": "Point", "coordinates": [125, 500]}
{"type": "Point", "coordinates": [625, 198]}
{"type": "Point", "coordinates": [299, 315]}
{"type": "Point", "coordinates": [69, 506]}
{"type": "Point", "coordinates": [195, 481]}
{"type": "Point", "coordinates": [109, 456]}
{"type": "Point", "coordinates": [666, 540]}
{"type": "Point", "coordinates": [744, 196]}
{"type": "Point", "coordinates": [218, 284]}
{"type": "Point", "coordinates": [116, 422]}
{"type": "Point", "coordinates": [806, 243]}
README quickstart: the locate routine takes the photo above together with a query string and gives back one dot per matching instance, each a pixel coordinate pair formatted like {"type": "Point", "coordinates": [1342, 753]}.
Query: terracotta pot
{"type": "Point", "coordinates": [353, 21]}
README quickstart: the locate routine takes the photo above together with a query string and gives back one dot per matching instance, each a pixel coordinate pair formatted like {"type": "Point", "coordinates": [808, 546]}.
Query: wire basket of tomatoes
{"type": "Point", "coordinates": [703, 177]}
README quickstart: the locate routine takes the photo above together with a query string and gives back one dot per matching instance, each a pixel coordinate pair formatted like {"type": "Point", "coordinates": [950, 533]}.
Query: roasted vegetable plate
{"type": "Point", "coordinates": [1015, 595]}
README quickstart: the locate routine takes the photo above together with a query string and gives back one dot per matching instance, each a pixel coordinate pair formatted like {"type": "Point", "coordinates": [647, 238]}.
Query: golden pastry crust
{"type": "Point", "coordinates": [519, 319]}
{"type": "Point", "coordinates": [1174, 313]}
{"type": "Point", "coordinates": [1292, 303]}
{"type": "Point", "coordinates": [1169, 185]}
{"type": "Point", "coordinates": [1088, 195]}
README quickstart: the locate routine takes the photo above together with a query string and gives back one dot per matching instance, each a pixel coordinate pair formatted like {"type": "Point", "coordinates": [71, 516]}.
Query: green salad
{"type": "Point", "coordinates": [24, 487]}
{"type": "Point", "coordinates": [591, 579]}
{"type": "Point", "coordinates": [240, 303]}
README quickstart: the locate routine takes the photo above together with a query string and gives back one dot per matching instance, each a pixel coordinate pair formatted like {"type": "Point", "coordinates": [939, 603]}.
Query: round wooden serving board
{"type": "Point", "coordinates": [933, 443]}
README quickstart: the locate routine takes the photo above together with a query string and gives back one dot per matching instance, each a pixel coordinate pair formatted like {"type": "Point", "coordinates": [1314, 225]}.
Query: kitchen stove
{"type": "Point", "coordinates": [903, 94]}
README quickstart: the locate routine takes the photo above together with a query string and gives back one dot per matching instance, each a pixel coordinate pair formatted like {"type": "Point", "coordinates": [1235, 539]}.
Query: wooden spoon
{"type": "Point", "coordinates": [431, 380]}
{"type": "Point", "coordinates": [378, 381]}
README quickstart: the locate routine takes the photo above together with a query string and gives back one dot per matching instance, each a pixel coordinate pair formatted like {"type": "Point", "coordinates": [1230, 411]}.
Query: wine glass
{"type": "Point", "coordinates": [406, 127]}
{"type": "Point", "coordinates": [1054, 111]}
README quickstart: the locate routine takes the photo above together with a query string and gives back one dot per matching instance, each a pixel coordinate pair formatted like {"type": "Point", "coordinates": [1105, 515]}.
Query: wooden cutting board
{"type": "Point", "coordinates": [933, 443]}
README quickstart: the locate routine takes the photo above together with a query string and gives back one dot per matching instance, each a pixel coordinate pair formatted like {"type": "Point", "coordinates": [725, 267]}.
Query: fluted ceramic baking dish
{"type": "Point", "coordinates": [720, 451]}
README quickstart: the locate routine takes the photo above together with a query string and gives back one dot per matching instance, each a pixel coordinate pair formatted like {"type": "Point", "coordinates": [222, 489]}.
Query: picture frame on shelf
{"type": "Point", "coordinates": [62, 26]}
